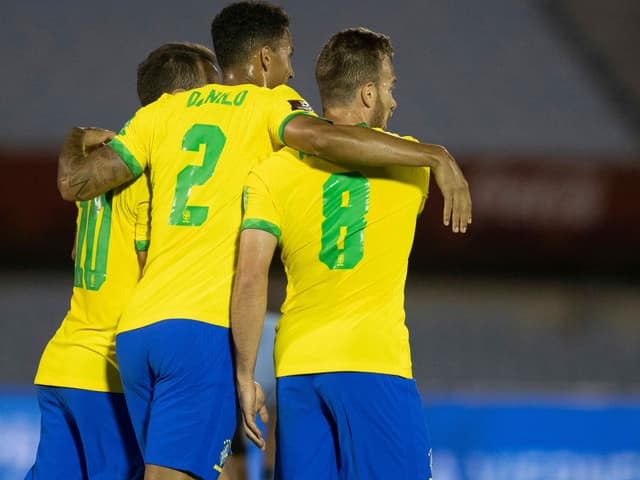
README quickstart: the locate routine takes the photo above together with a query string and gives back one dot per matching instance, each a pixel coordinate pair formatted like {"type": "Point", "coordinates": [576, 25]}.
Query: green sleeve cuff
{"type": "Point", "coordinates": [256, 224]}
{"type": "Point", "coordinates": [287, 120]}
{"type": "Point", "coordinates": [142, 245]}
{"type": "Point", "coordinates": [126, 156]}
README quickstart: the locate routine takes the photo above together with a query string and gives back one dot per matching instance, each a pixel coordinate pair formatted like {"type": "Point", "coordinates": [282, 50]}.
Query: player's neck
{"type": "Point", "coordinates": [346, 115]}
{"type": "Point", "coordinates": [243, 75]}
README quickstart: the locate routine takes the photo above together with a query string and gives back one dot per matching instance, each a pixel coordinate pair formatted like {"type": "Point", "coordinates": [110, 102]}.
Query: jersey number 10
{"type": "Point", "coordinates": [92, 242]}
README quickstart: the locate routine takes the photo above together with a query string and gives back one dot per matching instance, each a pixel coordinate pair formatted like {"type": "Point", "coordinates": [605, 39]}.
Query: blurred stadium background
{"type": "Point", "coordinates": [525, 331]}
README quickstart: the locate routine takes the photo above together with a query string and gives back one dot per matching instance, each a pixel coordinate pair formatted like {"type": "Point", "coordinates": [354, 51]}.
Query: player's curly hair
{"type": "Point", "coordinates": [351, 58]}
{"type": "Point", "coordinates": [242, 27]}
{"type": "Point", "coordinates": [170, 67]}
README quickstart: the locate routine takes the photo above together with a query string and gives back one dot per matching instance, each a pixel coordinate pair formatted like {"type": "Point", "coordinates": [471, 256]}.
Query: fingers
{"type": "Point", "coordinates": [448, 205]}
{"type": "Point", "coordinates": [461, 211]}
{"type": "Point", "coordinates": [264, 414]}
{"type": "Point", "coordinates": [96, 136]}
{"type": "Point", "coordinates": [252, 401]}
{"type": "Point", "coordinates": [455, 192]}
{"type": "Point", "coordinates": [466, 218]}
{"type": "Point", "coordinates": [252, 431]}
{"type": "Point", "coordinates": [261, 406]}
{"type": "Point", "coordinates": [456, 213]}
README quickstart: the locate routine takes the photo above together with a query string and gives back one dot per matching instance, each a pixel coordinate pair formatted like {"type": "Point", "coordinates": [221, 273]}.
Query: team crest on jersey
{"type": "Point", "coordinates": [300, 105]}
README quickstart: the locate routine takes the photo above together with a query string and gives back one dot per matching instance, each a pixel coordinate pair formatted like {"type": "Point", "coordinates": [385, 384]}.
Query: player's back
{"type": "Point", "coordinates": [110, 228]}
{"type": "Point", "coordinates": [346, 237]}
{"type": "Point", "coordinates": [199, 147]}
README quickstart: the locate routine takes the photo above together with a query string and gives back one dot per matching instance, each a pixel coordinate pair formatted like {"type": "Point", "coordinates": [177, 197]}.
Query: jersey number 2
{"type": "Point", "coordinates": [345, 202]}
{"type": "Point", "coordinates": [213, 139]}
{"type": "Point", "coordinates": [93, 241]}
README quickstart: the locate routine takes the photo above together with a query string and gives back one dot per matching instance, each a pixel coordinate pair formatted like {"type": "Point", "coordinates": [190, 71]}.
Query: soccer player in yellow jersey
{"type": "Point", "coordinates": [86, 431]}
{"type": "Point", "coordinates": [173, 343]}
{"type": "Point", "coordinates": [348, 407]}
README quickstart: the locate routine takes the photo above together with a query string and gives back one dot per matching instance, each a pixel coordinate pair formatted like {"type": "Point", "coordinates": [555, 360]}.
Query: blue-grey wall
{"type": "Point", "coordinates": [477, 76]}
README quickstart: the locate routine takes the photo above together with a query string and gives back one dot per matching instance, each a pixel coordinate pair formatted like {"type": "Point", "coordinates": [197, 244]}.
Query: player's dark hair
{"type": "Point", "coordinates": [241, 28]}
{"type": "Point", "coordinates": [351, 58]}
{"type": "Point", "coordinates": [170, 67]}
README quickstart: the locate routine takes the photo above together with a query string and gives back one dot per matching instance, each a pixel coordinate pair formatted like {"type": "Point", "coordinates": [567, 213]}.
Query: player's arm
{"type": "Point", "coordinates": [142, 222]}
{"type": "Point", "coordinates": [248, 308]}
{"type": "Point", "coordinates": [74, 249]}
{"type": "Point", "coordinates": [357, 146]}
{"type": "Point", "coordinates": [142, 260]}
{"type": "Point", "coordinates": [87, 167]}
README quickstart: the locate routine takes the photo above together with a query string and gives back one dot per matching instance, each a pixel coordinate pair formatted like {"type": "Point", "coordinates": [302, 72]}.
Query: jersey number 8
{"type": "Point", "coordinates": [345, 202]}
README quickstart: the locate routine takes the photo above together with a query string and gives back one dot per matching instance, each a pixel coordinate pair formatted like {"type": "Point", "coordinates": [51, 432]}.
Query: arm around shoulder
{"type": "Point", "coordinates": [87, 167]}
{"type": "Point", "coordinates": [356, 146]}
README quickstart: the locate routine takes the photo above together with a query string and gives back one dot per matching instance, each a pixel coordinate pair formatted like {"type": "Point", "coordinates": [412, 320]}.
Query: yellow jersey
{"type": "Point", "coordinates": [346, 237]}
{"type": "Point", "coordinates": [199, 147]}
{"type": "Point", "coordinates": [110, 229]}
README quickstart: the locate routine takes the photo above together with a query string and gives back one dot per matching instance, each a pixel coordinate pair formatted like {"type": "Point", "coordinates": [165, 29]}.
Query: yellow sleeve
{"type": "Point", "coordinates": [260, 211]}
{"type": "Point", "coordinates": [286, 104]}
{"type": "Point", "coordinates": [133, 142]}
{"type": "Point", "coordinates": [143, 220]}
{"type": "Point", "coordinates": [136, 204]}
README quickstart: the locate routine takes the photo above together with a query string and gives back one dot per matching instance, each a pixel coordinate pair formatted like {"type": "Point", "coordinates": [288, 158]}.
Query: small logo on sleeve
{"type": "Point", "coordinates": [245, 198]}
{"type": "Point", "coordinates": [123, 131]}
{"type": "Point", "coordinates": [300, 105]}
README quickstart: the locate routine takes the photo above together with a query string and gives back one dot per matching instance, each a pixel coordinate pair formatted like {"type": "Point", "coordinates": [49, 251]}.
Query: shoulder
{"type": "Point", "coordinates": [134, 192]}
{"type": "Point", "coordinates": [418, 176]}
{"type": "Point", "coordinates": [274, 164]}
{"type": "Point", "coordinates": [284, 91]}
{"type": "Point", "coordinates": [404, 137]}
{"type": "Point", "coordinates": [288, 94]}
{"type": "Point", "coordinates": [150, 112]}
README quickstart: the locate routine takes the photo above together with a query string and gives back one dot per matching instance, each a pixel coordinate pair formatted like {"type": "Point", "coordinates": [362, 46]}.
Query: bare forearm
{"type": "Point", "coordinates": [142, 260]}
{"type": "Point", "coordinates": [357, 146]}
{"type": "Point", "coordinates": [249, 298]}
{"type": "Point", "coordinates": [83, 173]}
{"type": "Point", "coordinates": [248, 307]}
{"type": "Point", "coordinates": [364, 147]}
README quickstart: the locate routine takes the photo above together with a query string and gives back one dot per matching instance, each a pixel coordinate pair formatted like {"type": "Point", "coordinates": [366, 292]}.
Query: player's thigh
{"type": "Point", "coordinates": [108, 442]}
{"type": "Point", "coordinates": [305, 443]}
{"type": "Point", "coordinates": [132, 349]}
{"type": "Point", "coordinates": [193, 410]}
{"type": "Point", "coordinates": [382, 433]}
{"type": "Point", "coordinates": [59, 455]}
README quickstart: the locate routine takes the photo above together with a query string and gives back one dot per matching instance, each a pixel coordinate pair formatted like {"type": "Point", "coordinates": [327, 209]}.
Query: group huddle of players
{"type": "Point", "coordinates": [179, 216]}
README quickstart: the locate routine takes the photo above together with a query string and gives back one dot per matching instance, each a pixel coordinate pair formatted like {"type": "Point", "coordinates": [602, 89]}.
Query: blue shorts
{"type": "Point", "coordinates": [178, 380]}
{"type": "Point", "coordinates": [85, 434]}
{"type": "Point", "coordinates": [351, 425]}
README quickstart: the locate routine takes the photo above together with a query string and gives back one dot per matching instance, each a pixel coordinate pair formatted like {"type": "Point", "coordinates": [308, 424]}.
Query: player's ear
{"type": "Point", "coordinates": [265, 57]}
{"type": "Point", "coordinates": [368, 94]}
